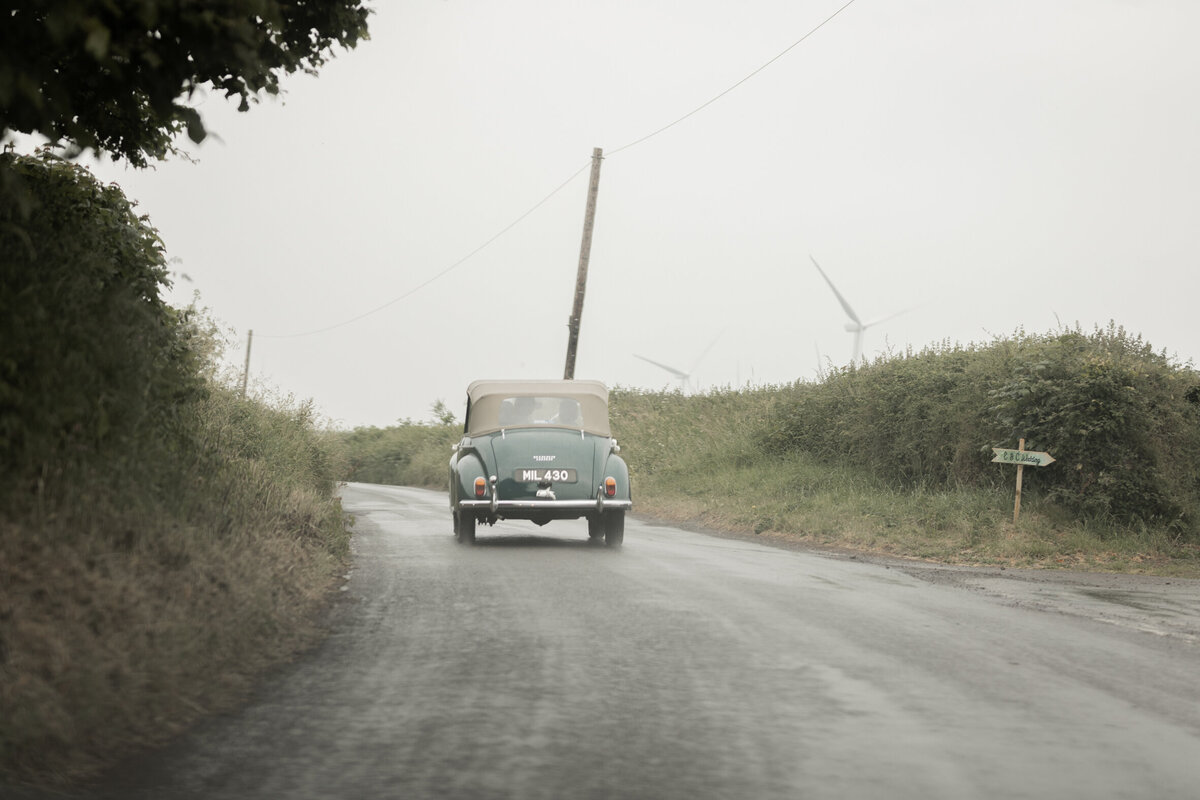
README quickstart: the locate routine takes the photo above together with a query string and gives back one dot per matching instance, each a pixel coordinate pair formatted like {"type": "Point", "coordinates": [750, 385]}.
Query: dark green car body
{"type": "Point", "coordinates": [539, 451]}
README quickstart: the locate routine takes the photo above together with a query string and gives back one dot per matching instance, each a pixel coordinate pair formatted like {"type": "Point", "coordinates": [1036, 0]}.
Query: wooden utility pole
{"type": "Point", "coordinates": [585, 252]}
{"type": "Point", "coordinates": [246, 369]}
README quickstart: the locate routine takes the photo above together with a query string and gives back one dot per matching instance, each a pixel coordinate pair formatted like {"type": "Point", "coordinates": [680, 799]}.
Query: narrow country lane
{"type": "Point", "coordinates": [537, 665]}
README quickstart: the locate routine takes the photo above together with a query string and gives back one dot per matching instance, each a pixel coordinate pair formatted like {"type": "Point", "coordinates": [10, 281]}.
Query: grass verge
{"type": "Point", "coordinates": [794, 499]}
{"type": "Point", "coordinates": [134, 601]}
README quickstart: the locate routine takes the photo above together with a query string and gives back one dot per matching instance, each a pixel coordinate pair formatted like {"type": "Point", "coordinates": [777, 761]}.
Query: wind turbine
{"type": "Point", "coordinates": [855, 325]}
{"type": "Point", "coordinates": [683, 377]}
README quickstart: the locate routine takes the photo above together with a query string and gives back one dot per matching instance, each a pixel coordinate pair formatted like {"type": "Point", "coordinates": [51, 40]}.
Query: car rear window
{"type": "Point", "coordinates": [524, 410]}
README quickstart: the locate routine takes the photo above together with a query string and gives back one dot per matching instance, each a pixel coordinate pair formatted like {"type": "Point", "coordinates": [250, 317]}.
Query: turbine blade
{"type": "Point", "coordinates": [845, 305]}
{"type": "Point", "coordinates": [672, 370]}
{"type": "Point", "coordinates": [703, 354]}
{"type": "Point", "coordinates": [889, 316]}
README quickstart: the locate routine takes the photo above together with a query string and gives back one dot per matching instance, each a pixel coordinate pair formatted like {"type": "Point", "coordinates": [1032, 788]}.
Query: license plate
{"type": "Point", "coordinates": [554, 475]}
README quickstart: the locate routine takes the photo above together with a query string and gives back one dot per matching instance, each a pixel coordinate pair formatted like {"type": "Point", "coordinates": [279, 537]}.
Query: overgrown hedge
{"type": "Point", "coordinates": [91, 358]}
{"type": "Point", "coordinates": [1122, 420]}
{"type": "Point", "coordinates": [409, 454]}
{"type": "Point", "coordinates": [162, 539]}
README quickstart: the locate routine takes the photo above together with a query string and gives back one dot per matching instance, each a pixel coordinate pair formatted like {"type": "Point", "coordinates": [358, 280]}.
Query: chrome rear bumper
{"type": "Point", "coordinates": [495, 505]}
{"type": "Point", "coordinates": [599, 504]}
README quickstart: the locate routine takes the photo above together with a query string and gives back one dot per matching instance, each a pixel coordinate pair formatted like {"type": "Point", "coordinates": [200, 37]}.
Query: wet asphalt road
{"type": "Point", "coordinates": [536, 665]}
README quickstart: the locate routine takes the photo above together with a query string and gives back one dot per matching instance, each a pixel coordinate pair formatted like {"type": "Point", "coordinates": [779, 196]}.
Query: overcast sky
{"type": "Point", "coordinates": [990, 165]}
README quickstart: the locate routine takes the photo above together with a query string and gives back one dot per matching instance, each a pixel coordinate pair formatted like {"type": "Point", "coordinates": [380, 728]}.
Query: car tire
{"type": "Point", "coordinates": [595, 528]}
{"type": "Point", "coordinates": [466, 528]}
{"type": "Point", "coordinates": [614, 528]}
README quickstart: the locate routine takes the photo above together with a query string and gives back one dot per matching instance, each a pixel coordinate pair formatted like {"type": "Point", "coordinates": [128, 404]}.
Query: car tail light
{"type": "Point", "coordinates": [610, 487]}
{"type": "Point", "coordinates": [480, 487]}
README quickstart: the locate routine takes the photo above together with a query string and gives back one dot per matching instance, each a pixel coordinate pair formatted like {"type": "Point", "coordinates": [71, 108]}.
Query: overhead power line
{"type": "Point", "coordinates": [717, 97]}
{"type": "Point", "coordinates": [562, 186]}
{"type": "Point", "coordinates": [444, 272]}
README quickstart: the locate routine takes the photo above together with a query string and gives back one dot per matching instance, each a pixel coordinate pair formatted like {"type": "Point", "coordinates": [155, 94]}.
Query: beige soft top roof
{"type": "Point", "coordinates": [485, 398]}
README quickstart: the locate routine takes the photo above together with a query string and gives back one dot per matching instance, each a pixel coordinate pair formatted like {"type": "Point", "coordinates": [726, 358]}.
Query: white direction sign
{"type": "Point", "coordinates": [1028, 458]}
{"type": "Point", "coordinates": [1022, 458]}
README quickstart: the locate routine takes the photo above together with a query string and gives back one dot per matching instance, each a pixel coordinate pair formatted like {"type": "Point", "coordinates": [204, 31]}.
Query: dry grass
{"type": "Point", "coordinates": [128, 610]}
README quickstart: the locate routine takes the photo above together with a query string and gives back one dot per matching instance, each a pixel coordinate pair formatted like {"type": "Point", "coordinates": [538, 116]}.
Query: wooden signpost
{"type": "Point", "coordinates": [1021, 457]}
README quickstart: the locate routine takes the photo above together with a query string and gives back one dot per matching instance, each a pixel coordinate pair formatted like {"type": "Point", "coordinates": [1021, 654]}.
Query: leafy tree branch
{"type": "Point", "coordinates": [118, 76]}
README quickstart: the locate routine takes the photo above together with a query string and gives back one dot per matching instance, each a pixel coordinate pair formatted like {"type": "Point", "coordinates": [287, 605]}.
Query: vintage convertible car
{"type": "Point", "coordinates": [539, 450]}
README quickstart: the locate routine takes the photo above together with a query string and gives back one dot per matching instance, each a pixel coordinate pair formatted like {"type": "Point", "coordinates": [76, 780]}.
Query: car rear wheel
{"type": "Point", "coordinates": [614, 528]}
{"type": "Point", "coordinates": [466, 528]}
{"type": "Point", "coordinates": [595, 528]}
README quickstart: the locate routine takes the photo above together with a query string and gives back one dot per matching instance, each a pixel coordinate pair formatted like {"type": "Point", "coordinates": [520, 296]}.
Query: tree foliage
{"type": "Point", "coordinates": [118, 75]}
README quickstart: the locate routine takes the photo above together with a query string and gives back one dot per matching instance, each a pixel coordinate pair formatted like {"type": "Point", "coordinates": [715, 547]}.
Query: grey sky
{"type": "Point", "coordinates": [993, 164]}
